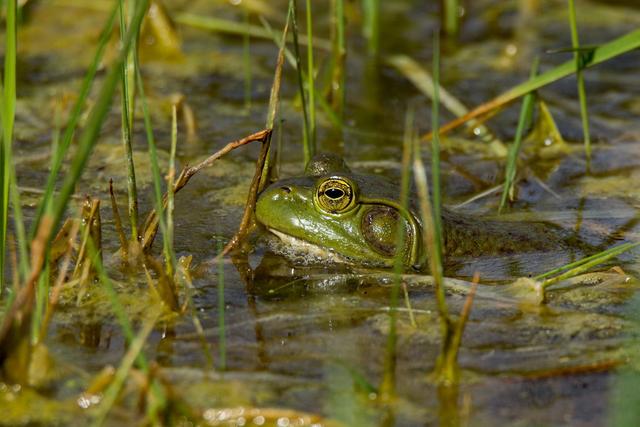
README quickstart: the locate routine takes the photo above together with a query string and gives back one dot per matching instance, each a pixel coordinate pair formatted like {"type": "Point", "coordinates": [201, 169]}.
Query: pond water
{"type": "Point", "coordinates": [313, 339]}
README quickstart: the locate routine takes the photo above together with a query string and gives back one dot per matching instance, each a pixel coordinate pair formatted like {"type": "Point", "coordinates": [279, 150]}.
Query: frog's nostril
{"type": "Point", "coordinates": [286, 189]}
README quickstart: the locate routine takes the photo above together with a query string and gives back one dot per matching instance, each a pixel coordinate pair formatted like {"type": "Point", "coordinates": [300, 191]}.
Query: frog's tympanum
{"type": "Point", "coordinates": [336, 215]}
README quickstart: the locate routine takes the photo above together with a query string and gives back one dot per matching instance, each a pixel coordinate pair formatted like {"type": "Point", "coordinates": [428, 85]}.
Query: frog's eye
{"type": "Point", "coordinates": [335, 195]}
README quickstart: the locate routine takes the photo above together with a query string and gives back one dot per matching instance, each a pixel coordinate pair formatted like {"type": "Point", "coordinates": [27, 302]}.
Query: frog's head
{"type": "Point", "coordinates": [336, 215]}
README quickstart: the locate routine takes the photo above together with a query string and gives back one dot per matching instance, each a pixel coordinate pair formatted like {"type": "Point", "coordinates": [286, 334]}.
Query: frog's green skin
{"type": "Point", "coordinates": [365, 232]}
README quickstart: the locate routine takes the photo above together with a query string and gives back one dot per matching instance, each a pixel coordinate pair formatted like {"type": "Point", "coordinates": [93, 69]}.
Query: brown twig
{"type": "Point", "coordinates": [151, 223]}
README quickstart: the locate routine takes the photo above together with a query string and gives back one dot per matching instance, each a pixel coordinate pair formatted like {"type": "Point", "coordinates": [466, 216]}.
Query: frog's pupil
{"type": "Point", "coordinates": [334, 193]}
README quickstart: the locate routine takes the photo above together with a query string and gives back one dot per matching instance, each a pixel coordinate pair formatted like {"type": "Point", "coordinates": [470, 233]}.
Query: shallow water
{"type": "Point", "coordinates": [314, 339]}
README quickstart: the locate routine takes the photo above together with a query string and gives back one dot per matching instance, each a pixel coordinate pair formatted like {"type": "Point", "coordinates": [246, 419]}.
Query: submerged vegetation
{"type": "Point", "coordinates": [98, 326]}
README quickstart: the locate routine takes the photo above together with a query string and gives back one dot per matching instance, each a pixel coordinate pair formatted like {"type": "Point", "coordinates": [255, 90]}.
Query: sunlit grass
{"type": "Point", "coordinates": [387, 387]}
{"type": "Point", "coordinates": [371, 24]}
{"type": "Point", "coordinates": [578, 55]}
{"type": "Point", "coordinates": [127, 113]}
{"type": "Point", "coordinates": [8, 108]}
{"type": "Point", "coordinates": [526, 114]}
{"type": "Point", "coordinates": [311, 85]}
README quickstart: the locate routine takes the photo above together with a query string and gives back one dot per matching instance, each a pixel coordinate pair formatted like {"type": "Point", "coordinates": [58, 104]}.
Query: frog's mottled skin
{"type": "Point", "coordinates": [365, 231]}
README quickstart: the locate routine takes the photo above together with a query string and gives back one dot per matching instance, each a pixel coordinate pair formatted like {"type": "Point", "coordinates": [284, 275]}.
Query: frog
{"type": "Point", "coordinates": [333, 214]}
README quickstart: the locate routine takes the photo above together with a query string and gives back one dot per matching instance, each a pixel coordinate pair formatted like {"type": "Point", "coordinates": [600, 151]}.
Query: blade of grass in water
{"type": "Point", "coordinates": [451, 22]}
{"type": "Point", "coordinates": [371, 24]}
{"type": "Point", "coordinates": [582, 94]}
{"type": "Point", "coordinates": [74, 118]}
{"type": "Point", "coordinates": [128, 96]}
{"type": "Point", "coordinates": [306, 132]}
{"type": "Point", "coordinates": [526, 113]}
{"type": "Point", "coordinates": [387, 388]}
{"type": "Point", "coordinates": [435, 177]}
{"type": "Point", "coordinates": [274, 98]}
{"type": "Point", "coordinates": [222, 337]}
{"type": "Point", "coordinates": [311, 84]}
{"type": "Point", "coordinates": [338, 57]}
{"type": "Point", "coordinates": [8, 116]}
{"type": "Point", "coordinates": [155, 173]}
{"type": "Point", "coordinates": [171, 183]}
{"type": "Point", "coordinates": [612, 49]}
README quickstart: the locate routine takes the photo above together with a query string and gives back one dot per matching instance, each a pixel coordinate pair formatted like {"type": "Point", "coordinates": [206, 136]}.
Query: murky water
{"type": "Point", "coordinates": [314, 339]}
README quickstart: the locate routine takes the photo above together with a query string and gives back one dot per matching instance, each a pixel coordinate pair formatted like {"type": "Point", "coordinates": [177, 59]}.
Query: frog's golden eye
{"type": "Point", "coordinates": [335, 195]}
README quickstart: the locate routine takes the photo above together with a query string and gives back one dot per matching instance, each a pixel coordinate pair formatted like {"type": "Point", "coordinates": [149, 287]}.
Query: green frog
{"type": "Point", "coordinates": [333, 214]}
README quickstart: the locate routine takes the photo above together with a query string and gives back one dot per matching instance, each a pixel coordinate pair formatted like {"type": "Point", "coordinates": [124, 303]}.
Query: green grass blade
{"type": "Point", "coordinates": [128, 96]}
{"type": "Point", "coordinates": [58, 155]}
{"type": "Point", "coordinates": [155, 173]}
{"type": "Point", "coordinates": [451, 21]}
{"type": "Point", "coordinates": [387, 388]}
{"type": "Point", "coordinates": [526, 113]}
{"type": "Point", "coordinates": [435, 177]}
{"type": "Point", "coordinates": [7, 117]}
{"type": "Point", "coordinates": [170, 183]}
{"type": "Point", "coordinates": [338, 57]}
{"type": "Point", "coordinates": [306, 131]}
{"type": "Point", "coordinates": [222, 335]}
{"type": "Point", "coordinates": [575, 43]}
{"type": "Point", "coordinates": [310, 86]}
{"type": "Point", "coordinates": [371, 24]}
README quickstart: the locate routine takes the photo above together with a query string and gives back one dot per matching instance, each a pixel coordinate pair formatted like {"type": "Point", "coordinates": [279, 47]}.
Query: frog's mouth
{"type": "Point", "coordinates": [295, 248]}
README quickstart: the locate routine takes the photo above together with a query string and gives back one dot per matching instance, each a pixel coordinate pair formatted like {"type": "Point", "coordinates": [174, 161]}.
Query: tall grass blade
{"type": "Point", "coordinates": [387, 388]}
{"type": "Point", "coordinates": [274, 99]}
{"type": "Point", "coordinates": [582, 94]}
{"type": "Point", "coordinates": [306, 131]}
{"type": "Point", "coordinates": [610, 50]}
{"type": "Point", "coordinates": [222, 334]}
{"type": "Point", "coordinates": [310, 86]}
{"type": "Point", "coordinates": [451, 21]}
{"type": "Point", "coordinates": [435, 177]}
{"type": "Point", "coordinates": [8, 117]}
{"type": "Point", "coordinates": [371, 24]}
{"type": "Point", "coordinates": [338, 57]}
{"type": "Point", "coordinates": [171, 182]}
{"type": "Point", "coordinates": [59, 154]}
{"type": "Point", "coordinates": [157, 177]}
{"type": "Point", "coordinates": [526, 113]}
{"type": "Point", "coordinates": [128, 97]}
